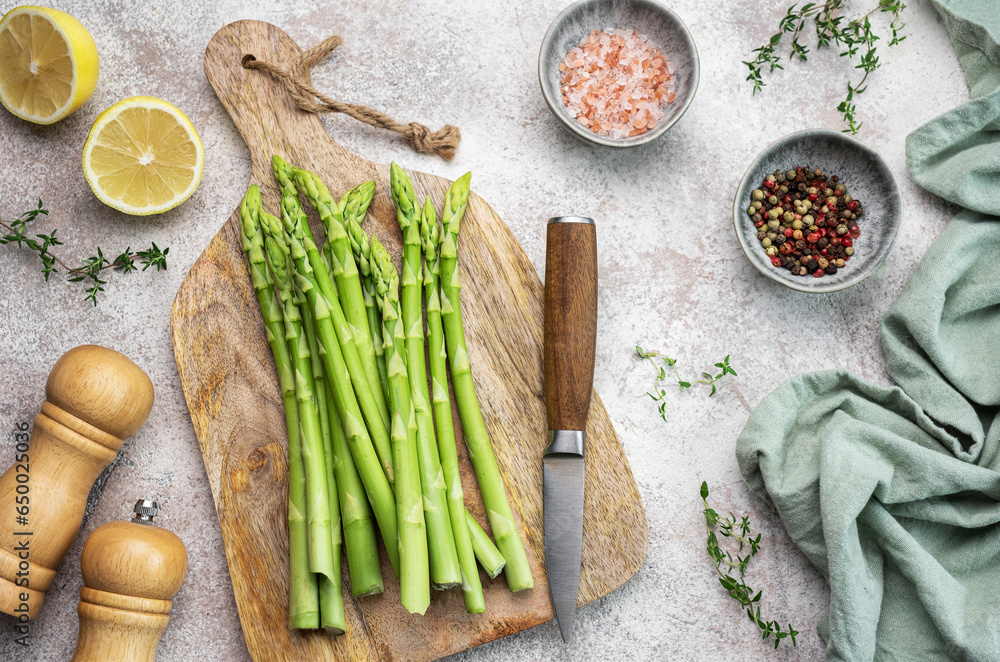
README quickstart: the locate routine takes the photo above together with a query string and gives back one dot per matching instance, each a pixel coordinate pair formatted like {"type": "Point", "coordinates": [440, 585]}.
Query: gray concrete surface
{"type": "Point", "coordinates": [672, 278]}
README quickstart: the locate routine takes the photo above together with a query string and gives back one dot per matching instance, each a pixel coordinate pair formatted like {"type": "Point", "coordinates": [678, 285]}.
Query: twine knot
{"type": "Point", "coordinates": [442, 142]}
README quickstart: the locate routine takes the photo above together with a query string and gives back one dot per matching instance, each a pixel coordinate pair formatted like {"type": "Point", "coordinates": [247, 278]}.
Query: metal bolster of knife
{"type": "Point", "coordinates": [565, 442]}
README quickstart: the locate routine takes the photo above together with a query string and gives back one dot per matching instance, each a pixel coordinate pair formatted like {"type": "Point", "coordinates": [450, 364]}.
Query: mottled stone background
{"type": "Point", "coordinates": [672, 277]}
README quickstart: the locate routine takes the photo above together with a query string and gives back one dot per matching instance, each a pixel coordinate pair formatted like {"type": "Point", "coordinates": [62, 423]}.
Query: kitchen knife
{"type": "Point", "coordinates": [570, 336]}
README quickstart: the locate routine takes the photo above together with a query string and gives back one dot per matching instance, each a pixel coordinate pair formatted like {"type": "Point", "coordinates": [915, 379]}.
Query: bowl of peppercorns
{"type": "Point", "coordinates": [817, 211]}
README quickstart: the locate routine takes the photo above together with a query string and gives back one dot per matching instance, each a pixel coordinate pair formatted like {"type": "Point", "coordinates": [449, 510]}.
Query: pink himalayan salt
{"type": "Point", "coordinates": [616, 83]}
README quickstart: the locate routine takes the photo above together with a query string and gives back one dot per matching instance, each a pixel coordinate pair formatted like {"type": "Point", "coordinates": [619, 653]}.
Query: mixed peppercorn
{"type": "Point", "coordinates": [806, 221]}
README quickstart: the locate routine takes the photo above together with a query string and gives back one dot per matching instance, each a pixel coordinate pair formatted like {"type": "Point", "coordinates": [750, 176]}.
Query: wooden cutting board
{"type": "Point", "coordinates": [228, 378]}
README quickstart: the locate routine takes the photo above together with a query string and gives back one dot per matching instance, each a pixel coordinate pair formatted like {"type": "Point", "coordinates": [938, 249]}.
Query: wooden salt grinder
{"type": "Point", "coordinates": [131, 572]}
{"type": "Point", "coordinates": [95, 397]}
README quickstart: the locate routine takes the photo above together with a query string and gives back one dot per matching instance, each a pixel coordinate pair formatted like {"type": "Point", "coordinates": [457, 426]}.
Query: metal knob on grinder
{"type": "Point", "coordinates": [131, 573]}
{"type": "Point", "coordinates": [95, 397]}
{"type": "Point", "coordinates": [145, 511]}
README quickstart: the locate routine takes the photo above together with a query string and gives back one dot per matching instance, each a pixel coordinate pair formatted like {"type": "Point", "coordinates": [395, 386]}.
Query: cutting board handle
{"type": "Point", "coordinates": [261, 108]}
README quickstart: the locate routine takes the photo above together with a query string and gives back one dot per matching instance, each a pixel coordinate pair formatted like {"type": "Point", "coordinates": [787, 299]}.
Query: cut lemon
{"type": "Point", "coordinates": [143, 156]}
{"type": "Point", "coordinates": [48, 64]}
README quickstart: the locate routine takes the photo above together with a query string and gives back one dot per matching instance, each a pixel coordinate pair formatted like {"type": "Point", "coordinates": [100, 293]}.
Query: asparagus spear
{"type": "Point", "coordinates": [356, 513]}
{"type": "Point", "coordinates": [444, 567]}
{"type": "Point", "coordinates": [292, 213]}
{"type": "Point", "coordinates": [334, 361]}
{"type": "Point", "coordinates": [517, 572]}
{"type": "Point", "coordinates": [356, 206]}
{"type": "Point", "coordinates": [487, 553]}
{"type": "Point", "coordinates": [331, 598]}
{"type": "Point", "coordinates": [414, 585]}
{"type": "Point", "coordinates": [345, 270]}
{"type": "Point", "coordinates": [303, 594]}
{"type": "Point", "coordinates": [317, 492]}
{"type": "Point", "coordinates": [472, 588]}
{"type": "Point", "coordinates": [364, 572]}
{"type": "Point", "coordinates": [359, 530]}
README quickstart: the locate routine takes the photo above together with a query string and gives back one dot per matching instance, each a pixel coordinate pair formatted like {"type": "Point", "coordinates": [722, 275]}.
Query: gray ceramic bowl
{"type": "Point", "coordinates": [647, 17]}
{"type": "Point", "coordinates": [868, 179]}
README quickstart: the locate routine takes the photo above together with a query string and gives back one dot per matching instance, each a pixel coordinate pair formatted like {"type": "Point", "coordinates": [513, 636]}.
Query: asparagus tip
{"type": "Point", "coordinates": [279, 163]}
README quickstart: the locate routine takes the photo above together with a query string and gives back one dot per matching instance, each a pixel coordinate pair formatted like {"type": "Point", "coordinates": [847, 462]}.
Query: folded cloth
{"type": "Point", "coordinates": [894, 493]}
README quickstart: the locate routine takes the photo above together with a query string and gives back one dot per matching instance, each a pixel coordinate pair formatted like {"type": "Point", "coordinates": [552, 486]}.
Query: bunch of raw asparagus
{"type": "Point", "coordinates": [369, 444]}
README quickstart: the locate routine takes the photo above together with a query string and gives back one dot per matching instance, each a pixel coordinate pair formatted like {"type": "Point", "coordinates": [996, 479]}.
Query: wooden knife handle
{"type": "Point", "coordinates": [570, 320]}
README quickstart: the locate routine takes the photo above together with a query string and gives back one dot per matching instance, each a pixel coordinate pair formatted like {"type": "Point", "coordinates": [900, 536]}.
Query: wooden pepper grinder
{"type": "Point", "coordinates": [95, 397]}
{"type": "Point", "coordinates": [131, 572]}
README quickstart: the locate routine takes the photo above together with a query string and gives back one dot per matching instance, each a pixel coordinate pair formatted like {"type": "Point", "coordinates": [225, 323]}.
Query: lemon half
{"type": "Point", "coordinates": [143, 156]}
{"type": "Point", "coordinates": [48, 64]}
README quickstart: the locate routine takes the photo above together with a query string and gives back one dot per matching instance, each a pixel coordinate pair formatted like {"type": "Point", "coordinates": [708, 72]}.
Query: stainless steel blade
{"type": "Point", "coordinates": [562, 490]}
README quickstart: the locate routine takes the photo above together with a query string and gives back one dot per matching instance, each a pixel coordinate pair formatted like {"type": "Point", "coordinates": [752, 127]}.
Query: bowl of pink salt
{"type": "Point", "coordinates": [618, 73]}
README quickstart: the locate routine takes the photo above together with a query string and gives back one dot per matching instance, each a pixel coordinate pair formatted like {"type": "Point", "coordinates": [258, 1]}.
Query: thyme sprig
{"type": "Point", "coordinates": [91, 269]}
{"type": "Point", "coordinates": [659, 394]}
{"type": "Point", "coordinates": [856, 37]}
{"type": "Point", "coordinates": [731, 567]}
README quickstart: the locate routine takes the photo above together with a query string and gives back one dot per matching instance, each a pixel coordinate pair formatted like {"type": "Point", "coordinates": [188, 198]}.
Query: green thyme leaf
{"type": "Point", "coordinates": [90, 268]}
{"type": "Point", "coordinates": [853, 36]}
{"type": "Point", "coordinates": [731, 569]}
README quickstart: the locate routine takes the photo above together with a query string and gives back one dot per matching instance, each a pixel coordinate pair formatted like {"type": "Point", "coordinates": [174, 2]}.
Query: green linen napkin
{"type": "Point", "coordinates": [894, 493]}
